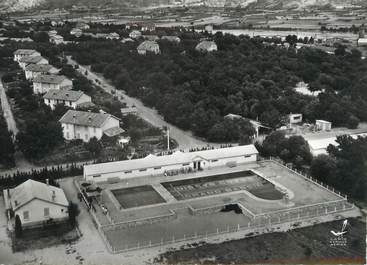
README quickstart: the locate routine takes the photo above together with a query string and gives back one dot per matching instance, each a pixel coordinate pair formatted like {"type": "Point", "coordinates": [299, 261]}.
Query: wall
{"type": "Point", "coordinates": [36, 211]}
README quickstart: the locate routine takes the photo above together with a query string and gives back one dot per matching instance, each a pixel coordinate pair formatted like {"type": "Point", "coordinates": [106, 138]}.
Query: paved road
{"type": "Point", "coordinates": [7, 111]}
{"type": "Point", "coordinates": [185, 139]}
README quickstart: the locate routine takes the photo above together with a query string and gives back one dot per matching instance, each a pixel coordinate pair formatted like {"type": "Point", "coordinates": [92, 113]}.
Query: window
{"type": "Point", "coordinates": [144, 169]}
{"type": "Point", "coordinates": [86, 137]}
{"type": "Point", "coordinates": [215, 160]}
{"type": "Point", "coordinates": [67, 135]}
{"type": "Point", "coordinates": [67, 126]}
{"type": "Point", "coordinates": [26, 215]}
{"type": "Point", "coordinates": [156, 168]}
{"type": "Point", "coordinates": [247, 156]}
{"type": "Point", "coordinates": [94, 129]}
{"type": "Point", "coordinates": [128, 172]}
{"type": "Point", "coordinates": [78, 135]}
{"type": "Point", "coordinates": [186, 164]}
{"type": "Point", "coordinates": [46, 212]}
{"type": "Point", "coordinates": [96, 176]}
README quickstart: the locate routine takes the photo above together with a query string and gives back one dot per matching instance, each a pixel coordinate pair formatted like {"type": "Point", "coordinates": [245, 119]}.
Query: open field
{"type": "Point", "coordinates": [190, 205]}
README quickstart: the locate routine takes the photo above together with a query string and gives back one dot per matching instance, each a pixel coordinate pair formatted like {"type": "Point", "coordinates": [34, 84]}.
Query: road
{"type": "Point", "coordinates": [185, 139]}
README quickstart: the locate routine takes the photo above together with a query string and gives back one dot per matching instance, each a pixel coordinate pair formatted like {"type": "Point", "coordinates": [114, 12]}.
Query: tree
{"type": "Point", "coordinates": [18, 227]}
{"type": "Point", "coordinates": [73, 211]}
{"type": "Point", "coordinates": [94, 146]}
{"type": "Point", "coordinates": [323, 167]}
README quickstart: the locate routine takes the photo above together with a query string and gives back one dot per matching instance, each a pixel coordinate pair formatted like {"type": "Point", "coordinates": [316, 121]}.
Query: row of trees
{"type": "Point", "coordinates": [6, 143]}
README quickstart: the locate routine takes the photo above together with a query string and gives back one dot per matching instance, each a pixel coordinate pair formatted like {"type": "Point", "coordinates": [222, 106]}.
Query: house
{"type": "Point", "coordinates": [57, 39]}
{"type": "Point", "coordinates": [85, 125]}
{"type": "Point", "coordinates": [322, 125]}
{"type": "Point", "coordinates": [25, 61]}
{"type": "Point", "coordinates": [113, 36]}
{"type": "Point", "coordinates": [362, 42]}
{"type": "Point", "coordinates": [209, 28]}
{"type": "Point", "coordinates": [319, 146]}
{"type": "Point", "coordinates": [148, 46]}
{"type": "Point", "coordinates": [44, 83]}
{"type": "Point", "coordinates": [159, 165]}
{"type": "Point", "coordinates": [18, 54]}
{"type": "Point", "coordinates": [82, 26]}
{"type": "Point", "coordinates": [76, 32]}
{"type": "Point", "coordinates": [171, 39]}
{"type": "Point", "coordinates": [124, 140]}
{"type": "Point", "coordinates": [68, 98]}
{"type": "Point", "coordinates": [33, 70]}
{"type": "Point", "coordinates": [148, 27]}
{"type": "Point", "coordinates": [36, 203]}
{"type": "Point", "coordinates": [129, 111]}
{"type": "Point", "coordinates": [206, 46]}
{"type": "Point", "coordinates": [52, 33]}
{"type": "Point", "coordinates": [150, 37]}
{"type": "Point", "coordinates": [295, 118]}
{"type": "Point", "coordinates": [135, 34]}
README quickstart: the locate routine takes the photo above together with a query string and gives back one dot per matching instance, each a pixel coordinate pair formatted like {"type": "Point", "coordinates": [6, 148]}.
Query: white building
{"type": "Point", "coordinates": [35, 203]}
{"type": "Point", "coordinates": [52, 33]}
{"type": "Point", "coordinates": [206, 46]}
{"type": "Point", "coordinates": [18, 54]}
{"type": "Point", "coordinates": [319, 146]}
{"type": "Point", "coordinates": [322, 125]}
{"type": "Point", "coordinates": [362, 42]}
{"type": "Point", "coordinates": [113, 36]}
{"type": "Point", "coordinates": [33, 70]}
{"type": "Point", "coordinates": [148, 46]}
{"type": "Point", "coordinates": [157, 165]}
{"type": "Point", "coordinates": [135, 34]}
{"type": "Point", "coordinates": [76, 32]}
{"type": "Point", "coordinates": [57, 39]}
{"type": "Point", "coordinates": [68, 98]}
{"type": "Point", "coordinates": [25, 61]}
{"type": "Point", "coordinates": [85, 125]}
{"type": "Point", "coordinates": [295, 118]}
{"type": "Point", "coordinates": [129, 111]}
{"type": "Point", "coordinates": [44, 83]}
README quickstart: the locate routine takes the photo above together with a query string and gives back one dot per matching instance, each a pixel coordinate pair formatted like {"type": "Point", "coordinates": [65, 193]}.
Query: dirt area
{"type": "Point", "coordinates": [305, 245]}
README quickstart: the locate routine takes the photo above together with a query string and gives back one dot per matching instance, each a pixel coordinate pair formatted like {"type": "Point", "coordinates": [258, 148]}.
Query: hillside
{"type": "Point", "coordinates": [16, 5]}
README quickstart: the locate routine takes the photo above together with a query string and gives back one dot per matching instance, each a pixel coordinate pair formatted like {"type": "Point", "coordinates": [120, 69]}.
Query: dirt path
{"type": "Point", "coordinates": [185, 139]}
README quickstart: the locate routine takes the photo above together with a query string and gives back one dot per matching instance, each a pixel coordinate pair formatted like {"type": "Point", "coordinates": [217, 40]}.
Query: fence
{"type": "Point", "coordinates": [259, 224]}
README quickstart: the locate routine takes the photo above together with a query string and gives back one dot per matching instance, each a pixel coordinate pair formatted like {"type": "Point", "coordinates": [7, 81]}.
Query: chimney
{"type": "Point", "coordinates": [47, 182]}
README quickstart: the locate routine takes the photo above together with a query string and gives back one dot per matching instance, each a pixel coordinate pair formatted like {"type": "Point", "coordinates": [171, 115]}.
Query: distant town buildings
{"type": "Point", "coordinates": [68, 98]}
{"type": "Point", "coordinates": [86, 125]}
{"type": "Point", "coordinates": [113, 36]}
{"type": "Point", "coordinates": [135, 34]}
{"type": "Point", "coordinates": [206, 46]}
{"type": "Point", "coordinates": [295, 118]}
{"type": "Point", "coordinates": [34, 70]}
{"type": "Point", "coordinates": [44, 83]}
{"type": "Point", "coordinates": [36, 203]}
{"type": "Point", "coordinates": [57, 39]}
{"type": "Point", "coordinates": [148, 46]}
{"type": "Point", "coordinates": [129, 111]}
{"type": "Point", "coordinates": [27, 60]}
{"type": "Point", "coordinates": [322, 125]}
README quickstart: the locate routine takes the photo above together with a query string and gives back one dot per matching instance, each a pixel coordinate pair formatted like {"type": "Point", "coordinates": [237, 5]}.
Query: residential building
{"type": "Point", "coordinates": [52, 33]}
{"type": "Point", "coordinates": [148, 27]}
{"type": "Point", "coordinates": [76, 32]}
{"type": "Point", "coordinates": [82, 26]}
{"type": "Point", "coordinates": [113, 36]}
{"type": "Point", "coordinates": [362, 42]}
{"type": "Point", "coordinates": [158, 165]}
{"type": "Point", "coordinates": [171, 39]}
{"type": "Point", "coordinates": [209, 28]}
{"type": "Point", "coordinates": [295, 118]}
{"type": "Point", "coordinates": [322, 125]}
{"type": "Point", "coordinates": [129, 111]}
{"type": "Point", "coordinates": [44, 83]}
{"type": "Point", "coordinates": [18, 54]}
{"type": "Point", "coordinates": [33, 70]}
{"type": "Point", "coordinates": [68, 98]}
{"type": "Point", "coordinates": [148, 46]}
{"type": "Point", "coordinates": [135, 34]}
{"type": "Point", "coordinates": [25, 61]}
{"type": "Point", "coordinates": [36, 203]}
{"type": "Point", "coordinates": [319, 146]}
{"type": "Point", "coordinates": [206, 46]}
{"type": "Point", "coordinates": [85, 125]}
{"type": "Point", "coordinates": [57, 39]}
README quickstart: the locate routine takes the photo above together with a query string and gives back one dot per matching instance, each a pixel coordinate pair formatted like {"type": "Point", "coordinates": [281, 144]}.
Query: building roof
{"type": "Point", "coordinates": [114, 131]}
{"type": "Point", "coordinates": [148, 45]}
{"type": "Point", "coordinates": [63, 95]}
{"type": "Point", "coordinates": [85, 118]}
{"type": "Point", "coordinates": [43, 68]}
{"type": "Point", "coordinates": [31, 59]}
{"type": "Point", "coordinates": [24, 52]}
{"type": "Point", "coordinates": [174, 159]}
{"type": "Point", "coordinates": [322, 143]}
{"type": "Point", "coordinates": [323, 121]}
{"type": "Point", "coordinates": [50, 79]}
{"type": "Point", "coordinates": [57, 37]}
{"type": "Point", "coordinates": [29, 190]}
{"type": "Point", "coordinates": [206, 45]}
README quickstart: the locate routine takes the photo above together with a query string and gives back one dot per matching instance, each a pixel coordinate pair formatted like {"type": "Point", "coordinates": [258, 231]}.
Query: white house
{"type": "Point", "coordinates": [68, 98]}
{"type": "Point", "coordinates": [85, 125]}
{"type": "Point", "coordinates": [52, 33]}
{"type": "Point", "coordinates": [322, 125]}
{"type": "Point", "coordinates": [113, 36]}
{"type": "Point", "coordinates": [319, 146]}
{"type": "Point", "coordinates": [57, 39]}
{"type": "Point", "coordinates": [25, 61]}
{"type": "Point", "coordinates": [295, 118]}
{"type": "Point", "coordinates": [157, 165]}
{"type": "Point", "coordinates": [206, 46]}
{"type": "Point", "coordinates": [135, 34]}
{"type": "Point", "coordinates": [33, 70]}
{"type": "Point", "coordinates": [362, 42]}
{"type": "Point", "coordinates": [76, 32]}
{"type": "Point", "coordinates": [44, 83]}
{"type": "Point", "coordinates": [148, 46]}
{"type": "Point", "coordinates": [35, 203]}
{"type": "Point", "coordinates": [18, 54]}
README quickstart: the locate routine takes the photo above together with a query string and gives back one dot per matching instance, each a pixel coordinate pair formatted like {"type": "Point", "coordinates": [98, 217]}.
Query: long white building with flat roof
{"type": "Point", "coordinates": [156, 165]}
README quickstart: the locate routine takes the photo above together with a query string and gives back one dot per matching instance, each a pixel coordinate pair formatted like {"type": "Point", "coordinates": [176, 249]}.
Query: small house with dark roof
{"type": "Point", "coordinates": [68, 98]}
{"type": "Point", "coordinates": [27, 60]}
{"type": "Point", "coordinates": [44, 83]}
{"type": "Point", "coordinates": [206, 46]}
{"type": "Point", "coordinates": [85, 125]}
{"type": "Point", "coordinates": [148, 46]}
{"type": "Point", "coordinates": [33, 70]}
{"type": "Point", "coordinates": [20, 53]}
{"type": "Point", "coordinates": [36, 203]}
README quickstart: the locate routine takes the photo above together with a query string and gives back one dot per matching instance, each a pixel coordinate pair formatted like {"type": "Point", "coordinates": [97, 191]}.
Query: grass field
{"type": "Point", "coordinates": [137, 196]}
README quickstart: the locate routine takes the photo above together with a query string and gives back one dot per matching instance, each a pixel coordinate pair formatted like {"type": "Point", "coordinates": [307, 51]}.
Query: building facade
{"type": "Point", "coordinates": [18, 54]}
{"type": "Point", "coordinates": [68, 98]}
{"type": "Point", "coordinates": [34, 70]}
{"type": "Point", "coordinates": [28, 60]}
{"type": "Point", "coordinates": [44, 83]}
